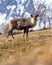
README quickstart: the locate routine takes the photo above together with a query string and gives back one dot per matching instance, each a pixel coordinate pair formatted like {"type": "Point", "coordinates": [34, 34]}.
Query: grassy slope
{"type": "Point", "coordinates": [37, 49]}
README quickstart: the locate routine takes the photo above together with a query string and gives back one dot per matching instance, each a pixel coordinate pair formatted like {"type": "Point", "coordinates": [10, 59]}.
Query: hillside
{"type": "Point", "coordinates": [35, 50]}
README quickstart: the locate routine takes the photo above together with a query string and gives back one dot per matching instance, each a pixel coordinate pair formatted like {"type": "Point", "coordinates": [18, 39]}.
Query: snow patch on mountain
{"type": "Point", "coordinates": [10, 9]}
{"type": "Point", "coordinates": [2, 18]}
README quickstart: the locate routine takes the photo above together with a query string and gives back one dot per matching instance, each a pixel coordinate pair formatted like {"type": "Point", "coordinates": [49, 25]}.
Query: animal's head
{"type": "Point", "coordinates": [33, 19]}
{"type": "Point", "coordinates": [34, 16]}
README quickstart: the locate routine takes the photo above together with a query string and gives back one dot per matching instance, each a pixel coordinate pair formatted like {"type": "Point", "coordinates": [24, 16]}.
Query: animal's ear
{"type": "Point", "coordinates": [36, 15]}
{"type": "Point", "coordinates": [31, 15]}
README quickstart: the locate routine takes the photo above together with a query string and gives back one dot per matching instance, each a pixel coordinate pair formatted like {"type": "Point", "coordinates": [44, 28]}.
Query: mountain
{"type": "Point", "coordinates": [15, 8]}
{"type": "Point", "coordinates": [10, 9]}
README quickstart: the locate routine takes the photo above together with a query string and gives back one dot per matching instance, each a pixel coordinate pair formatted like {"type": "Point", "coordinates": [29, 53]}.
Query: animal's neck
{"type": "Point", "coordinates": [32, 20]}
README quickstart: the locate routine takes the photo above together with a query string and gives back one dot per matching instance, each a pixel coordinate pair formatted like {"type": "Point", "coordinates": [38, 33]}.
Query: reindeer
{"type": "Point", "coordinates": [22, 24]}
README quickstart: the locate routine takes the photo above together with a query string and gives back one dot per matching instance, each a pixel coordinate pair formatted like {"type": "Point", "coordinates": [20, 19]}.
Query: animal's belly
{"type": "Point", "coordinates": [19, 28]}
{"type": "Point", "coordinates": [24, 24]}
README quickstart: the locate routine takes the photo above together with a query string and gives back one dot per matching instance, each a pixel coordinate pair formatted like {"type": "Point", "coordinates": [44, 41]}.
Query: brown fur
{"type": "Point", "coordinates": [22, 24]}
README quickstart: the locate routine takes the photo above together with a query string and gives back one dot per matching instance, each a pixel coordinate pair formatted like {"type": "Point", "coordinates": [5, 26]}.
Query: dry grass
{"type": "Point", "coordinates": [36, 48]}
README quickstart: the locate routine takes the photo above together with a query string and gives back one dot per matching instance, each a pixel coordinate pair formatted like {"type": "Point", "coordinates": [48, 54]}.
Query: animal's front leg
{"type": "Point", "coordinates": [26, 32]}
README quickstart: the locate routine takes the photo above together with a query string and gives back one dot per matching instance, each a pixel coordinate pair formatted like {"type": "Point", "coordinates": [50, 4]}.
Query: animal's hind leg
{"type": "Point", "coordinates": [12, 35]}
{"type": "Point", "coordinates": [8, 34]}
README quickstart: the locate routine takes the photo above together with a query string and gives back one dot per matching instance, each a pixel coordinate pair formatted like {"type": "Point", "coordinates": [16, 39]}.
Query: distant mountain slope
{"type": "Point", "coordinates": [10, 9]}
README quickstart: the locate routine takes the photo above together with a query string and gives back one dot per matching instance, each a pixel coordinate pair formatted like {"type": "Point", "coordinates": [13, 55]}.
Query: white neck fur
{"type": "Point", "coordinates": [32, 20]}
